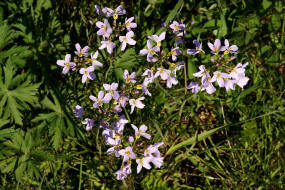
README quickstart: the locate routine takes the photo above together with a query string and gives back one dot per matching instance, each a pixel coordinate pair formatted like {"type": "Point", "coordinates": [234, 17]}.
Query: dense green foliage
{"type": "Point", "coordinates": [231, 140]}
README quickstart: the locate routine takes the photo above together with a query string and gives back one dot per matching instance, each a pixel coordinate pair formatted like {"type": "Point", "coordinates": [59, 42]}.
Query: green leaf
{"type": "Point", "coordinates": [193, 140]}
{"type": "Point", "coordinates": [223, 30]}
{"type": "Point", "coordinates": [179, 5]}
{"type": "Point", "coordinates": [276, 21]}
{"type": "Point", "coordinates": [57, 120]}
{"type": "Point", "coordinates": [16, 93]}
{"type": "Point", "coordinates": [191, 68]}
{"type": "Point", "coordinates": [266, 4]}
{"type": "Point", "coordinates": [127, 61]}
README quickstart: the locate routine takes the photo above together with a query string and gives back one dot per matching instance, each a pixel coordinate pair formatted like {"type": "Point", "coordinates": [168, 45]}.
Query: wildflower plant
{"type": "Point", "coordinates": [110, 104]}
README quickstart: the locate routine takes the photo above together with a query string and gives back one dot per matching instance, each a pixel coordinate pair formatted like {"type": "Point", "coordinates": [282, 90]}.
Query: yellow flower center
{"type": "Point", "coordinates": [141, 161]}
{"type": "Point", "coordinates": [219, 75]}
{"type": "Point", "coordinates": [128, 24]}
{"type": "Point", "coordinates": [177, 27]}
{"type": "Point", "coordinates": [125, 39]}
{"type": "Point", "coordinates": [128, 153]}
{"type": "Point", "coordinates": [116, 136]}
{"type": "Point", "coordinates": [158, 43]}
{"type": "Point", "coordinates": [67, 65]}
{"type": "Point", "coordinates": [115, 16]}
{"type": "Point", "coordinates": [100, 102]}
{"type": "Point", "coordinates": [139, 87]}
{"type": "Point", "coordinates": [128, 79]}
{"type": "Point", "coordinates": [81, 53]}
{"type": "Point", "coordinates": [105, 27]}
{"type": "Point", "coordinates": [147, 151]}
{"type": "Point", "coordinates": [85, 72]}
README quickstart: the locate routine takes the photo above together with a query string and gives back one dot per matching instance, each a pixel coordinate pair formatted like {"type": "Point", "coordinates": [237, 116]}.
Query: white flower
{"type": "Point", "coordinates": [141, 131]}
{"type": "Point", "coordinates": [87, 73]}
{"type": "Point", "coordinates": [144, 162]}
{"type": "Point", "coordinates": [127, 40]}
{"type": "Point", "coordinates": [158, 39]}
{"type": "Point", "coordinates": [94, 61]}
{"type": "Point", "coordinates": [66, 64]}
{"type": "Point", "coordinates": [136, 103]}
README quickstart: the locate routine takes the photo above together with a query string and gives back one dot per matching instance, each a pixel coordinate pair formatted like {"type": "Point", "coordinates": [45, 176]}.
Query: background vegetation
{"type": "Point", "coordinates": [229, 140]}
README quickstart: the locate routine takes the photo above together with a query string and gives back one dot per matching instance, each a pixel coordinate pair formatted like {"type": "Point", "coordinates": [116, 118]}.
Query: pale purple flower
{"type": "Point", "coordinates": [131, 139]}
{"type": "Point", "coordinates": [127, 153]}
{"type": "Point", "coordinates": [121, 174]}
{"type": "Point", "coordinates": [129, 77]}
{"type": "Point", "coordinates": [144, 162]}
{"type": "Point", "coordinates": [101, 99]}
{"type": "Point", "coordinates": [175, 52]}
{"type": "Point", "coordinates": [127, 40]}
{"type": "Point", "coordinates": [152, 150]}
{"type": "Point", "coordinates": [158, 39]}
{"type": "Point", "coordinates": [145, 90]}
{"type": "Point", "coordinates": [202, 73]}
{"type": "Point", "coordinates": [153, 153]}
{"type": "Point", "coordinates": [87, 73]}
{"type": "Point", "coordinates": [95, 62]}
{"type": "Point", "coordinates": [198, 48]}
{"type": "Point", "coordinates": [219, 77]}
{"type": "Point", "coordinates": [115, 143]}
{"type": "Point", "coordinates": [141, 131]}
{"type": "Point", "coordinates": [149, 78]}
{"type": "Point", "coordinates": [208, 86]}
{"type": "Point", "coordinates": [229, 84]}
{"type": "Point", "coordinates": [157, 161]}
{"type": "Point", "coordinates": [229, 49]}
{"type": "Point", "coordinates": [109, 45]}
{"type": "Point", "coordinates": [120, 124]}
{"type": "Point", "coordinates": [112, 90]}
{"type": "Point", "coordinates": [81, 52]}
{"type": "Point", "coordinates": [130, 24]}
{"type": "Point", "coordinates": [176, 27]}
{"type": "Point", "coordinates": [163, 73]}
{"type": "Point", "coordinates": [194, 86]}
{"type": "Point", "coordinates": [78, 110]}
{"type": "Point", "coordinates": [239, 69]}
{"type": "Point", "coordinates": [216, 47]}
{"type": "Point", "coordinates": [104, 29]}
{"type": "Point", "coordinates": [136, 103]}
{"type": "Point", "coordinates": [89, 123]}
{"type": "Point", "coordinates": [98, 9]}
{"type": "Point", "coordinates": [242, 80]}
{"type": "Point", "coordinates": [123, 101]}
{"type": "Point", "coordinates": [108, 133]}
{"type": "Point", "coordinates": [171, 79]}
{"type": "Point", "coordinates": [66, 64]}
{"type": "Point", "coordinates": [118, 11]}
{"type": "Point", "coordinates": [127, 168]}
{"type": "Point", "coordinates": [117, 109]}
{"type": "Point", "coordinates": [150, 52]}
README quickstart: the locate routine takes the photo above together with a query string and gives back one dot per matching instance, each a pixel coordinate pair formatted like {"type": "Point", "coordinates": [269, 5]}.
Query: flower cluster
{"type": "Point", "coordinates": [83, 61]}
{"type": "Point", "coordinates": [110, 104]}
{"type": "Point", "coordinates": [226, 74]}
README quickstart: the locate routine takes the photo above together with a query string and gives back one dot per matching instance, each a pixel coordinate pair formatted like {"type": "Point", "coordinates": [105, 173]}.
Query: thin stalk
{"type": "Point", "coordinates": [225, 123]}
